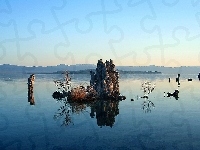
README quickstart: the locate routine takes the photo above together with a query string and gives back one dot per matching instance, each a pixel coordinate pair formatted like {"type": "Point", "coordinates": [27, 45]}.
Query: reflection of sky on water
{"type": "Point", "coordinates": [172, 123]}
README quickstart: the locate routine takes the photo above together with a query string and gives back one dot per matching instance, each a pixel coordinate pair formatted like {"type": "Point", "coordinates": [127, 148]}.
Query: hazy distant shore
{"type": "Point", "coordinates": [85, 68]}
{"type": "Point", "coordinates": [88, 72]}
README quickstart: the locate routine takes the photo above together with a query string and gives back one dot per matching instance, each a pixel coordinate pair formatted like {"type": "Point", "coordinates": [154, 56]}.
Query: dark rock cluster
{"type": "Point", "coordinates": [105, 80]}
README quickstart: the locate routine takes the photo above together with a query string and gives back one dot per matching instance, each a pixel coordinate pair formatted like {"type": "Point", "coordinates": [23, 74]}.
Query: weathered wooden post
{"type": "Point", "coordinates": [30, 83]}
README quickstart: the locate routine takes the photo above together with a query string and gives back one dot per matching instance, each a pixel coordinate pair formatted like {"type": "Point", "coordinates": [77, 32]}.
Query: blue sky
{"type": "Point", "coordinates": [138, 32]}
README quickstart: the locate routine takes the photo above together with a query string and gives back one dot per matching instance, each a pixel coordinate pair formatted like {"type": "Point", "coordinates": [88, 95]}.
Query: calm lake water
{"type": "Point", "coordinates": [171, 124]}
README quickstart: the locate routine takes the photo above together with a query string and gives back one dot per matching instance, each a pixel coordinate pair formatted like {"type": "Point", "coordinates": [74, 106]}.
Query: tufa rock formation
{"type": "Point", "coordinates": [105, 80]}
{"type": "Point", "coordinates": [104, 84]}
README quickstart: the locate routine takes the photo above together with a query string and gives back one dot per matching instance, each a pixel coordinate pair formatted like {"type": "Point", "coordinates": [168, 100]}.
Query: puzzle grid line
{"type": "Point", "coordinates": [60, 25]}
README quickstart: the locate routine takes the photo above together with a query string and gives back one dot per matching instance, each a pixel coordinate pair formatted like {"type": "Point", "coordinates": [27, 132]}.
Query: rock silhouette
{"type": "Point", "coordinates": [174, 94]}
{"type": "Point", "coordinates": [105, 80]}
{"type": "Point", "coordinates": [30, 83]}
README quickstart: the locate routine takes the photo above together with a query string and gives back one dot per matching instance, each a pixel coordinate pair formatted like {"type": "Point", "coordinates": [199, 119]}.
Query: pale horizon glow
{"type": "Point", "coordinates": [131, 33]}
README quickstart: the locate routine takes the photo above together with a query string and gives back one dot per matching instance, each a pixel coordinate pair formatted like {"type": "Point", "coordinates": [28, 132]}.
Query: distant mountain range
{"type": "Point", "coordinates": [84, 68]}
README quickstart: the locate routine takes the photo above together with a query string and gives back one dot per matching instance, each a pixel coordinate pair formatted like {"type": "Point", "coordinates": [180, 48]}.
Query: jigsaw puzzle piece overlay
{"type": "Point", "coordinates": [160, 18]}
{"type": "Point", "coordinates": [19, 35]}
{"type": "Point", "coordinates": [28, 12]}
{"type": "Point", "coordinates": [5, 7]}
{"type": "Point", "coordinates": [164, 24]}
{"type": "Point", "coordinates": [184, 42]}
{"type": "Point", "coordinates": [195, 3]}
{"type": "Point", "coordinates": [40, 48]}
{"type": "Point", "coordinates": [8, 138]}
{"type": "Point", "coordinates": [8, 35]}
{"type": "Point", "coordinates": [69, 12]}
{"type": "Point", "coordinates": [121, 52]}
{"type": "Point", "coordinates": [37, 138]}
{"type": "Point", "coordinates": [164, 44]}
{"type": "Point", "coordinates": [85, 51]}
{"type": "Point", "coordinates": [93, 18]}
{"type": "Point", "coordinates": [32, 17]}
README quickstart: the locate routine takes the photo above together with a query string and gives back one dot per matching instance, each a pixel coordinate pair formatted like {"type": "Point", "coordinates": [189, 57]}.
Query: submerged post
{"type": "Point", "coordinates": [178, 79]}
{"type": "Point", "coordinates": [30, 83]}
{"type": "Point", "coordinates": [199, 76]}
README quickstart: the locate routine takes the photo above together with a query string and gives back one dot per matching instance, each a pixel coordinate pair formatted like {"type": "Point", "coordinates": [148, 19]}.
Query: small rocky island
{"type": "Point", "coordinates": [104, 84]}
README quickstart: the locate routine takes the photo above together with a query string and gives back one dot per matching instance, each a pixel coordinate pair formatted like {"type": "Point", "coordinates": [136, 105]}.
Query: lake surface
{"type": "Point", "coordinates": [171, 124]}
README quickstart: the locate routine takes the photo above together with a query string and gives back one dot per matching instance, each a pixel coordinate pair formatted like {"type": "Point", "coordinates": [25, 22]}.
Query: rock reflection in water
{"type": "Point", "coordinates": [147, 105]}
{"type": "Point", "coordinates": [147, 88]}
{"type": "Point", "coordinates": [64, 111]}
{"type": "Point", "coordinates": [104, 110]}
